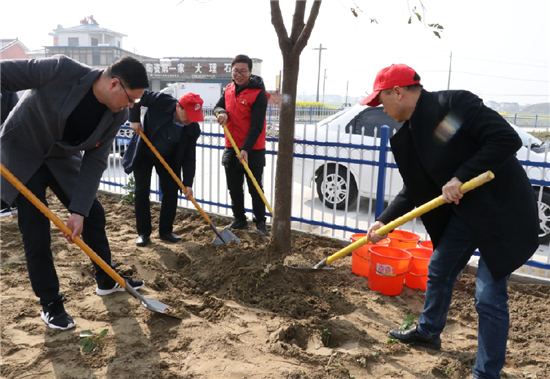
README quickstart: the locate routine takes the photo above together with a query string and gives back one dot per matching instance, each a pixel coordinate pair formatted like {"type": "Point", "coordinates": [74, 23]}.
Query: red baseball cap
{"type": "Point", "coordinates": [399, 75]}
{"type": "Point", "coordinates": [192, 103]}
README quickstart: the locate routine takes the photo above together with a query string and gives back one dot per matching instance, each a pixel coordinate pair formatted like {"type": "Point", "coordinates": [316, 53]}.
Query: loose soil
{"type": "Point", "coordinates": [245, 313]}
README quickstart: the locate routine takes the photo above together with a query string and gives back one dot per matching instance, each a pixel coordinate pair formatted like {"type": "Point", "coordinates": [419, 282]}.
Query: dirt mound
{"type": "Point", "coordinates": [244, 313]}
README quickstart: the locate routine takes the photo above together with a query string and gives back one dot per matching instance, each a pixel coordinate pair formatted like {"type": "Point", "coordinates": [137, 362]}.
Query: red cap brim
{"type": "Point", "coordinates": [194, 116]}
{"type": "Point", "coordinates": [371, 100]}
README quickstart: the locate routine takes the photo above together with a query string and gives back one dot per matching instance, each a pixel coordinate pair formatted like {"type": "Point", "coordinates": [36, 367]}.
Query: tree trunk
{"type": "Point", "coordinates": [291, 48]}
{"type": "Point", "coordinates": [283, 175]}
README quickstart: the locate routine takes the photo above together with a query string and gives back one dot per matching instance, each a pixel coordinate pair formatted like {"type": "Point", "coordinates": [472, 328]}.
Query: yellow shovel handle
{"type": "Point", "coordinates": [173, 174]}
{"type": "Point", "coordinates": [468, 186]}
{"type": "Point", "coordinates": [64, 228]}
{"type": "Point", "coordinates": [248, 170]}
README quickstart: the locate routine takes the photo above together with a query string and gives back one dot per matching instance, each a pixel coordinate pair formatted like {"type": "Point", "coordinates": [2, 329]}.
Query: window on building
{"type": "Point", "coordinates": [95, 42]}
{"type": "Point", "coordinates": [73, 41]}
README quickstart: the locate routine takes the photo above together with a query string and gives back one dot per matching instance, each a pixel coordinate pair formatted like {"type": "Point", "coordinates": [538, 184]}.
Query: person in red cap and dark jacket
{"type": "Point", "coordinates": [242, 108]}
{"type": "Point", "coordinates": [448, 138]}
{"type": "Point", "coordinates": [172, 127]}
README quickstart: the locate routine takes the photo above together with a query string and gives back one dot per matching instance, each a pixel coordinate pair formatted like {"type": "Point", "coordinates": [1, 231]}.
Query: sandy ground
{"type": "Point", "coordinates": [245, 314]}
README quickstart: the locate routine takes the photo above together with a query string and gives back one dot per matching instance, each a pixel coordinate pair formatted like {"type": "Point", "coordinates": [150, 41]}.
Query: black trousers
{"type": "Point", "coordinates": [35, 229]}
{"type": "Point", "coordinates": [235, 175]}
{"type": "Point", "coordinates": [169, 200]}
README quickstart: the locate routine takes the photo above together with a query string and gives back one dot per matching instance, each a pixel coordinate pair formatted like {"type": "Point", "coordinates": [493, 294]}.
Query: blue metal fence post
{"type": "Point", "coordinates": [381, 187]}
{"type": "Point", "coordinates": [311, 114]}
{"type": "Point", "coordinates": [536, 118]}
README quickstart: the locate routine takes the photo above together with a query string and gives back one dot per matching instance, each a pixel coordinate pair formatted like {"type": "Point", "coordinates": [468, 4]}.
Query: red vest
{"type": "Point", "coordinates": [240, 116]}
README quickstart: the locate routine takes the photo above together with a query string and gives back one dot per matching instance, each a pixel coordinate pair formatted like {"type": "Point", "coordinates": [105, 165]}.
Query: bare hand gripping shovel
{"type": "Point", "coordinates": [432, 204]}
{"type": "Point", "coordinates": [221, 238]}
{"type": "Point", "coordinates": [152, 305]}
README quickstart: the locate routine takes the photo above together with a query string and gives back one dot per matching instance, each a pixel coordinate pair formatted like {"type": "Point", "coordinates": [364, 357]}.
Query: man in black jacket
{"type": "Point", "coordinates": [172, 127]}
{"type": "Point", "coordinates": [450, 137]}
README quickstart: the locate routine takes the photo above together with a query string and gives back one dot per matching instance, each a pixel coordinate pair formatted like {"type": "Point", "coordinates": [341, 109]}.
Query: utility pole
{"type": "Point", "coordinates": [320, 48]}
{"type": "Point", "coordinates": [347, 83]}
{"type": "Point", "coordinates": [450, 63]}
{"type": "Point", "coordinates": [324, 80]}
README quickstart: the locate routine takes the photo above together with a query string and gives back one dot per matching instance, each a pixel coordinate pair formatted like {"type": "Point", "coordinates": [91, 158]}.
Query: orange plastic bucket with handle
{"type": "Point", "coordinates": [403, 239]}
{"type": "Point", "coordinates": [417, 277]}
{"type": "Point", "coordinates": [388, 267]}
{"type": "Point", "coordinates": [426, 244]}
{"type": "Point", "coordinates": [360, 256]}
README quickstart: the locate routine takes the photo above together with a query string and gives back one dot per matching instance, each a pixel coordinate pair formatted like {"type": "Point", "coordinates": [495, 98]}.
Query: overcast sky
{"type": "Point", "coordinates": [500, 48]}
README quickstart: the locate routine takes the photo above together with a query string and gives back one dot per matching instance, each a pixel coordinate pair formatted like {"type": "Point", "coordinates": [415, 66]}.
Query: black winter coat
{"type": "Point", "coordinates": [452, 133]}
{"type": "Point", "coordinates": [160, 109]}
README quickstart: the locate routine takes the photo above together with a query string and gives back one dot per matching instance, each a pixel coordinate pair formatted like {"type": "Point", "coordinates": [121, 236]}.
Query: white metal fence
{"type": "Point", "coordinates": [353, 160]}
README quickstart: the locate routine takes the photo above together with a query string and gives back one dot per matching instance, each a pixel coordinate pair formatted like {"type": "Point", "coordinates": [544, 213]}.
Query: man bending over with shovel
{"type": "Point", "coordinates": [59, 136]}
{"type": "Point", "coordinates": [450, 137]}
{"type": "Point", "coordinates": [172, 126]}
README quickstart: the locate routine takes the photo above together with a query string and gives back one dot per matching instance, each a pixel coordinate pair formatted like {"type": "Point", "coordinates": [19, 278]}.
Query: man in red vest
{"type": "Point", "coordinates": [242, 109]}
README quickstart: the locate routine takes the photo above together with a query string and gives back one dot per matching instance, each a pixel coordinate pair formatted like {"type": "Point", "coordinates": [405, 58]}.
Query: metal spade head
{"type": "Point", "coordinates": [226, 236]}
{"type": "Point", "coordinates": [326, 268]}
{"type": "Point", "coordinates": [152, 305]}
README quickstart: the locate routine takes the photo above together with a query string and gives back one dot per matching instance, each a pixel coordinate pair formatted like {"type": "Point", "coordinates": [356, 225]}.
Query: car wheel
{"type": "Point", "coordinates": [544, 216]}
{"type": "Point", "coordinates": [336, 188]}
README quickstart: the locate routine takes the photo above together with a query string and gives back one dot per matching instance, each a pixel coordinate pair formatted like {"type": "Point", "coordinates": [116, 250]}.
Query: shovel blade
{"type": "Point", "coordinates": [226, 236]}
{"type": "Point", "coordinates": [309, 268]}
{"type": "Point", "coordinates": [152, 305]}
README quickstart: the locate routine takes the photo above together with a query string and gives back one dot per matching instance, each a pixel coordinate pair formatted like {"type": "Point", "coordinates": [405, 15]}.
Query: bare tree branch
{"type": "Point", "coordinates": [306, 32]}
{"type": "Point", "coordinates": [285, 43]}
{"type": "Point", "coordinates": [298, 20]}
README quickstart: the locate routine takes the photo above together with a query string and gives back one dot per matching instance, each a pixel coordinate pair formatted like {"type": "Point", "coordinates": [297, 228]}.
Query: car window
{"type": "Point", "coordinates": [369, 119]}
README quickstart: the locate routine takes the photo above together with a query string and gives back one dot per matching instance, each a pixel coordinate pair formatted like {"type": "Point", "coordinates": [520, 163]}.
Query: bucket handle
{"type": "Point", "coordinates": [381, 273]}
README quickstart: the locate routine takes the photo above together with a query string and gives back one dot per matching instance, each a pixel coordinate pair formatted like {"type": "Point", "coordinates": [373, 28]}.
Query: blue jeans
{"type": "Point", "coordinates": [491, 299]}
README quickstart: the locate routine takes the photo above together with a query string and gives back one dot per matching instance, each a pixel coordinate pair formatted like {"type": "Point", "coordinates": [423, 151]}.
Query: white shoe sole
{"type": "Point", "coordinates": [52, 326]}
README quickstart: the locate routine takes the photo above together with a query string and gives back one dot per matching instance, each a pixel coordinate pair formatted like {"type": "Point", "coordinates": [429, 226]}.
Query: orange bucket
{"type": "Point", "coordinates": [360, 256]}
{"type": "Point", "coordinates": [403, 239]}
{"type": "Point", "coordinates": [426, 244]}
{"type": "Point", "coordinates": [388, 265]}
{"type": "Point", "coordinates": [417, 278]}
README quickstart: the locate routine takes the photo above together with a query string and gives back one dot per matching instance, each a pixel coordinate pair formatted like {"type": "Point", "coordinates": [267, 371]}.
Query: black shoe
{"type": "Point", "coordinates": [55, 316]}
{"type": "Point", "coordinates": [262, 228]}
{"type": "Point", "coordinates": [170, 237]}
{"type": "Point", "coordinates": [411, 336]}
{"type": "Point", "coordinates": [134, 283]}
{"type": "Point", "coordinates": [239, 224]}
{"type": "Point", "coordinates": [142, 240]}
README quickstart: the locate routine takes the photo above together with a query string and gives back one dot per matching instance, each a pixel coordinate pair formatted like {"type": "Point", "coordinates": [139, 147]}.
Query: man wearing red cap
{"type": "Point", "coordinates": [448, 138]}
{"type": "Point", "coordinates": [172, 127]}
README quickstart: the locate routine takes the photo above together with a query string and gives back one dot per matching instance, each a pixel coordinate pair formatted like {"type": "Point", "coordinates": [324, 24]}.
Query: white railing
{"type": "Point", "coordinates": [355, 160]}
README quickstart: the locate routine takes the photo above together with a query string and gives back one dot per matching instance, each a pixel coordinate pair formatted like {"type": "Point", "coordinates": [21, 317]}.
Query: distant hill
{"type": "Point", "coordinates": [541, 108]}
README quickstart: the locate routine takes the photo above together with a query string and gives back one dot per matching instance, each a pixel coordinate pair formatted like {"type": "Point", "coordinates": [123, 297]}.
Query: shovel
{"type": "Point", "coordinates": [432, 204]}
{"type": "Point", "coordinates": [247, 169]}
{"type": "Point", "coordinates": [152, 305]}
{"type": "Point", "coordinates": [221, 238]}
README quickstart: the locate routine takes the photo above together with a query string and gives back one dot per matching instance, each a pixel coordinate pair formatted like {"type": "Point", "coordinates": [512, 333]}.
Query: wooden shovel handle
{"type": "Point", "coordinates": [173, 174]}
{"type": "Point", "coordinates": [247, 169]}
{"type": "Point", "coordinates": [438, 201]}
{"type": "Point", "coordinates": [64, 228]}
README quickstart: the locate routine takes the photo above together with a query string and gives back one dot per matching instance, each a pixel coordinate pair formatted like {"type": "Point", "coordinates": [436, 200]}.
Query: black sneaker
{"type": "Point", "coordinates": [55, 316]}
{"type": "Point", "coordinates": [134, 283]}
{"type": "Point", "coordinates": [411, 336]}
{"type": "Point", "coordinates": [262, 228]}
{"type": "Point", "coordinates": [239, 224]}
{"type": "Point", "coordinates": [5, 212]}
